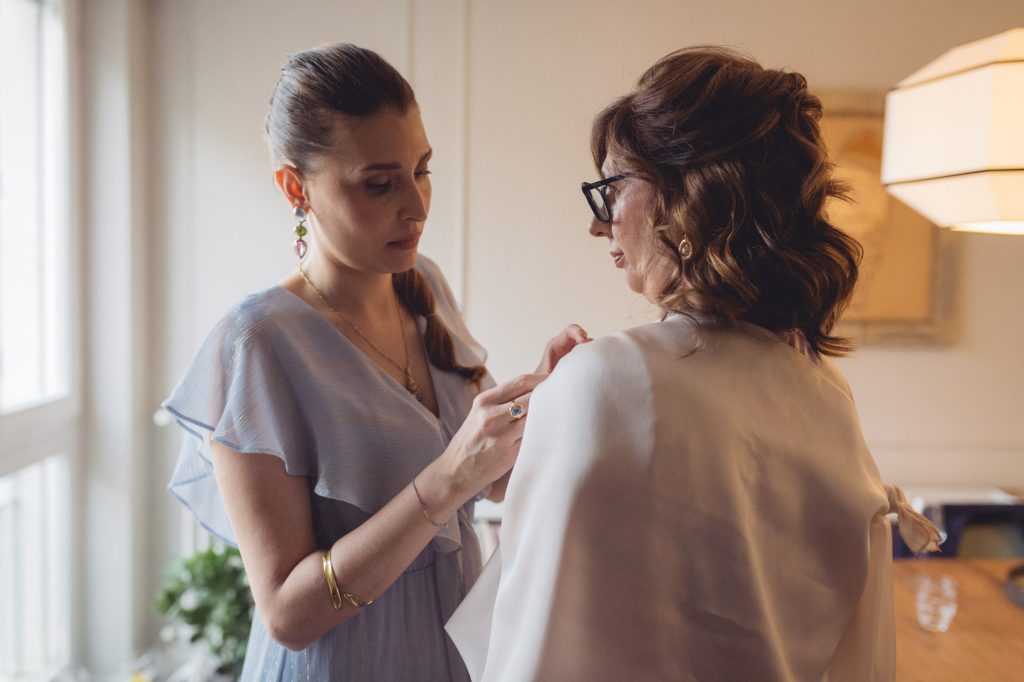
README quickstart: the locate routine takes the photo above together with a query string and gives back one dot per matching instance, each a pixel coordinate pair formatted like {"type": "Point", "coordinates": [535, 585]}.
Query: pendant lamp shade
{"type": "Point", "coordinates": [954, 137]}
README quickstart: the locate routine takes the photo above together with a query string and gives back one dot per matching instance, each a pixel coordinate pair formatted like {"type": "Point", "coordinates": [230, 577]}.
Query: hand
{"type": "Point", "coordinates": [559, 347]}
{"type": "Point", "coordinates": [486, 446]}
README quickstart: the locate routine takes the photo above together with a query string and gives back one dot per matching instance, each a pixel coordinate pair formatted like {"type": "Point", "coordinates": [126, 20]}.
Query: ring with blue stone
{"type": "Point", "coordinates": [516, 410]}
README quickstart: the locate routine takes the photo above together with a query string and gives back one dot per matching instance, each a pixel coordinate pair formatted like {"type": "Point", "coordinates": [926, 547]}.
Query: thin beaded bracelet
{"type": "Point", "coordinates": [423, 507]}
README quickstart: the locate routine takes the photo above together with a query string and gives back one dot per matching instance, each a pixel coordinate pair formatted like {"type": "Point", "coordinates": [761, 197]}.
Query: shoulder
{"type": "Point", "coordinates": [264, 313]}
{"type": "Point", "coordinates": [264, 310]}
{"type": "Point", "coordinates": [595, 376]}
{"type": "Point", "coordinates": [435, 279]}
{"type": "Point", "coordinates": [597, 404]}
{"type": "Point", "coordinates": [428, 267]}
{"type": "Point", "coordinates": [626, 355]}
{"type": "Point", "coordinates": [830, 368]}
{"type": "Point", "coordinates": [468, 350]}
{"type": "Point", "coordinates": [240, 346]}
{"type": "Point", "coordinates": [257, 325]}
{"type": "Point", "coordinates": [431, 271]}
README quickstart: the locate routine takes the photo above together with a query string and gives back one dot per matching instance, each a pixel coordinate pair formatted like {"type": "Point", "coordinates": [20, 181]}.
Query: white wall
{"type": "Point", "coordinates": [113, 590]}
{"type": "Point", "coordinates": [508, 91]}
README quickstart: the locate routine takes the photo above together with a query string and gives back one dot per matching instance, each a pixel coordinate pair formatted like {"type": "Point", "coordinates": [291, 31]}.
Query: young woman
{"type": "Point", "coordinates": [341, 424]}
{"type": "Point", "coordinates": [694, 499]}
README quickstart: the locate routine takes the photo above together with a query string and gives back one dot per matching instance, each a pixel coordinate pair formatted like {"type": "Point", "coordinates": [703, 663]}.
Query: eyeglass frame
{"type": "Point", "coordinates": [587, 187]}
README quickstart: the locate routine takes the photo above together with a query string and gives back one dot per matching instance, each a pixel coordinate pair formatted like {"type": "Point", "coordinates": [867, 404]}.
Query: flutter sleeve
{"type": "Point", "coordinates": [236, 393]}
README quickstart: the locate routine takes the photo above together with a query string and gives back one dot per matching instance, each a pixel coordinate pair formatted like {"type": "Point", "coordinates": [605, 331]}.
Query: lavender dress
{"type": "Point", "coordinates": [275, 377]}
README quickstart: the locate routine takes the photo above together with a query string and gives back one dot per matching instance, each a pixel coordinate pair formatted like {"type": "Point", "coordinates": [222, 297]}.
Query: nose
{"type": "Point", "coordinates": [416, 202]}
{"type": "Point", "coordinates": [599, 229]}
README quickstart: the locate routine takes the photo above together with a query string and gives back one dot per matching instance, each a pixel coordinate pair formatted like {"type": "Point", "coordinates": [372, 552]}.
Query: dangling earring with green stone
{"type": "Point", "coordinates": [300, 231]}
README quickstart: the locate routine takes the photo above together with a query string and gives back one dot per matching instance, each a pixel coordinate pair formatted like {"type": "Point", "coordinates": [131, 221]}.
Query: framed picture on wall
{"type": "Point", "coordinates": [906, 291]}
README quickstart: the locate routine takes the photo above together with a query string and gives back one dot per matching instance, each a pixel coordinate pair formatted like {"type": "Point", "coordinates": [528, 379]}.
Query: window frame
{"type": "Point", "coordinates": [25, 430]}
{"type": "Point", "coordinates": [33, 433]}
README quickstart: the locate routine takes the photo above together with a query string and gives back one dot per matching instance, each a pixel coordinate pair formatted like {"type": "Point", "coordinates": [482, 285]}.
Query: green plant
{"type": "Point", "coordinates": [209, 592]}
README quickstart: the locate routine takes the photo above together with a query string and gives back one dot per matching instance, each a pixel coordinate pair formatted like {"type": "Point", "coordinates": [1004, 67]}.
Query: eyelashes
{"type": "Point", "coordinates": [383, 187]}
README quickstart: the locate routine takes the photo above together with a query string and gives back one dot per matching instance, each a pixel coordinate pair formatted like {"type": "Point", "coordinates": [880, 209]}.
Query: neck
{"type": "Point", "coordinates": [355, 293]}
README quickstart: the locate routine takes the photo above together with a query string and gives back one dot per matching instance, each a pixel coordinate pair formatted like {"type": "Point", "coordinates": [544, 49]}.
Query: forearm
{"type": "Point", "coordinates": [498, 488]}
{"type": "Point", "coordinates": [366, 561]}
{"type": "Point", "coordinates": [271, 511]}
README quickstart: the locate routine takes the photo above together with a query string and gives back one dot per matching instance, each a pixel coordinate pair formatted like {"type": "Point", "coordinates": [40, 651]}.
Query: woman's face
{"type": "Point", "coordinates": [370, 196]}
{"type": "Point", "coordinates": [632, 242]}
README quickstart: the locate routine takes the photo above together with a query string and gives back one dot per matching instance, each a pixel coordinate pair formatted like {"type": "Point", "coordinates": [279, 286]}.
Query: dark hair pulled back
{"type": "Point", "coordinates": [314, 87]}
{"type": "Point", "coordinates": [735, 154]}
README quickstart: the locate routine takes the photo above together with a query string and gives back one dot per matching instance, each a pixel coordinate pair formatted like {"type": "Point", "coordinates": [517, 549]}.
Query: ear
{"type": "Point", "coordinates": [289, 180]}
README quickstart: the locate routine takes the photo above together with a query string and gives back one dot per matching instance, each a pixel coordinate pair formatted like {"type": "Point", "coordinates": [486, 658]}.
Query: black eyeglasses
{"type": "Point", "coordinates": [595, 192]}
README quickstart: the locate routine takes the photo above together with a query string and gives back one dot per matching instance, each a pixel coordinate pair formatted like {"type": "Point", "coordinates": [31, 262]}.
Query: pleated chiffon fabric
{"type": "Point", "coordinates": [275, 377]}
{"type": "Point", "coordinates": [691, 502]}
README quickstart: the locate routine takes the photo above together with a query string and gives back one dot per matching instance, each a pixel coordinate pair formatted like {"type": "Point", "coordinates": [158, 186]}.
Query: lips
{"type": "Point", "coordinates": [619, 258]}
{"type": "Point", "coordinates": [405, 244]}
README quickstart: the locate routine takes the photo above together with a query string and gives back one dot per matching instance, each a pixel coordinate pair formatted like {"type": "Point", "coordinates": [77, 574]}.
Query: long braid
{"type": "Point", "coordinates": [415, 294]}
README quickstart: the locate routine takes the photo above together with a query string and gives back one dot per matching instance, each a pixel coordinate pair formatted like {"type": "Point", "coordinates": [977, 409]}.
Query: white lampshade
{"type": "Point", "coordinates": [954, 137]}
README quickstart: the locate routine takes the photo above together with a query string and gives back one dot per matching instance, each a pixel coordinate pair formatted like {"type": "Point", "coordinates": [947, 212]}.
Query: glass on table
{"type": "Point", "coordinates": [935, 601]}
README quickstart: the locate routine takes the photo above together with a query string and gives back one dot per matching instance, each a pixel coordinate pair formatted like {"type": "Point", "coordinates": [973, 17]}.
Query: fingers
{"type": "Point", "coordinates": [524, 400]}
{"type": "Point", "coordinates": [518, 408]}
{"type": "Point", "coordinates": [512, 389]}
{"type": "Point", "coordinates": [515, 430]}
{"type": "Point", "coordinates": [506, 421]}
{"type": "Point", "coordinates": [577, 333]}
{"type": "Point", "coordinates": [560, 346]}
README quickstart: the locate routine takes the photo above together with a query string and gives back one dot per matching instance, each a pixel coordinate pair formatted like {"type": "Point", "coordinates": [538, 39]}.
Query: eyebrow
{"type": "Point", "coordinates": [394, 165]}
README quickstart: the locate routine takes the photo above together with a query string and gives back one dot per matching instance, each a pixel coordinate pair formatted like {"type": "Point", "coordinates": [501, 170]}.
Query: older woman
{"type": "Point", "coordinates": [694, 499]}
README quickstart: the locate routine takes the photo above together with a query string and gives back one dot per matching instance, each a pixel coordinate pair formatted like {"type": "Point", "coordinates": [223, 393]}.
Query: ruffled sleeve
{"type": "Point", "coordinates": [236, 393]}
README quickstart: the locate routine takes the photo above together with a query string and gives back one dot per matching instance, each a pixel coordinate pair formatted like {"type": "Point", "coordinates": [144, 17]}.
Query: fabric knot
{"type": "Point", "coordinates": [919, 534]}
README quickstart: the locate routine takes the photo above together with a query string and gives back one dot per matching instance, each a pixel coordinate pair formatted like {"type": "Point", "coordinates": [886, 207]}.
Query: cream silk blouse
{"type": "Point", "coordinates": [690, 503]}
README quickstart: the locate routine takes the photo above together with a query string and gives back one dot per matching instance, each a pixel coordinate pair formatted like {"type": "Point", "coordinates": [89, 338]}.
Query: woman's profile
{"type": "Point", "coordinates": [694, 499]}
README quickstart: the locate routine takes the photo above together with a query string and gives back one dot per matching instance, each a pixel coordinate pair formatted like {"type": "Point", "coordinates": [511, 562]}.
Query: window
{"type": "Point", "coordinates": [33, 575]}
{"type": "Point", "coordinates": [33, 218]}
{"type": "Point", "coordinates": [38, 392]}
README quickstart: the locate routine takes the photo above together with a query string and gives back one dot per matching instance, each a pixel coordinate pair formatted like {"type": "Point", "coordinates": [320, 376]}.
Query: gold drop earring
{"type": "Point", "coordinates": [685, 248]}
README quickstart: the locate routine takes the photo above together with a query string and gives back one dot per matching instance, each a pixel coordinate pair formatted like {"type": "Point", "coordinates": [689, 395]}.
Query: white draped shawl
{"type": "Point", "coordinates": [682, 514]}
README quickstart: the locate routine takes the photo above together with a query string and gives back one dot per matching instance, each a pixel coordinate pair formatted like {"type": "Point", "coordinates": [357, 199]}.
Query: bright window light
{"type": "Point", "coordinates": [33, 570]}
{"type": "Point", "coordinates": [38, 425]}
{"type": "Point", "coordinates": [33, 208]}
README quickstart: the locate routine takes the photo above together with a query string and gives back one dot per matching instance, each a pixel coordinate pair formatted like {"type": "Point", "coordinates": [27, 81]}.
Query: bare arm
{"type": "Point", "coordinates": [271, 514]}
{"type": "Point", "coordinates": [498, 488]}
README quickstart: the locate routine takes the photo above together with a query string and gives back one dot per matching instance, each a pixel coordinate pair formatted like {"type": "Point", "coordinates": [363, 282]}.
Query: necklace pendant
{"type": "Point", "coordinates": [412, 386]}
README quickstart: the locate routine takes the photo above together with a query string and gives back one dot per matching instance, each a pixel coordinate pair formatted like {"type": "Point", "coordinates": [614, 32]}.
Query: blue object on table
{"type": "Point", "coordinates": [1003, 525]}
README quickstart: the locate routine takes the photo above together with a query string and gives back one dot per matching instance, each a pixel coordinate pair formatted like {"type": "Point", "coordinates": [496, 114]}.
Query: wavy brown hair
{"type": "Point", "coordinates": [314, 87]}
{"type": "Point", "coordinates": [736, 158]}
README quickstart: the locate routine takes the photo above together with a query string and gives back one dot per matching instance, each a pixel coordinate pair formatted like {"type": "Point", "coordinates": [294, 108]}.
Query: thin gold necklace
{"type": "Point", "coordinates": [410, 383]}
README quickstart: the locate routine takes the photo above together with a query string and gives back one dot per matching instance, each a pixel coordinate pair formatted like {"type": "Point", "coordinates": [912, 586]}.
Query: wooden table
{"type": "Point", "coordinates": [986, 639]}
